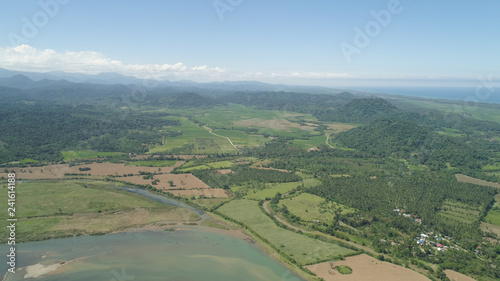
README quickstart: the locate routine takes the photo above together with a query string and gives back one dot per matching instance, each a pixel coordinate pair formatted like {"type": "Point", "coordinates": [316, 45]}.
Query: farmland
{"type": "Point", "coordinates": [365, 267]}
{"type": "Point", "coordinates": [282, 188]}
{"type": "Point", "coordinates": [460, 212]}
{"type": "Point", "coordinates": [304, 250]}
{"type": "Point", "coordinates": [311, 207]}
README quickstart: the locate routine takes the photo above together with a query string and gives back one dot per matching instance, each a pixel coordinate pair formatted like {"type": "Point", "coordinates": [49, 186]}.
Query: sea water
{"type": "Point", "coordinates": [182, 255]}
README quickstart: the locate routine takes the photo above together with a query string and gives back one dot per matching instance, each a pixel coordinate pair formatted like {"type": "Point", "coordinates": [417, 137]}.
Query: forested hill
{"type": "Point", "coordinates": [407, 140]}
{"type": "Point", "coordinates": [361, 111]}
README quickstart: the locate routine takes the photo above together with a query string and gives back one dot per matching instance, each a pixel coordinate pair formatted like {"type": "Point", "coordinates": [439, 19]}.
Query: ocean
{"type": "Point", "coordinates": [450, 93]}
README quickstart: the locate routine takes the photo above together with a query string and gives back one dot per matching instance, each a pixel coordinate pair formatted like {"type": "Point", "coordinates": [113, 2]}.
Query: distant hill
{"type": "Point", "coordinates": [361, 110]}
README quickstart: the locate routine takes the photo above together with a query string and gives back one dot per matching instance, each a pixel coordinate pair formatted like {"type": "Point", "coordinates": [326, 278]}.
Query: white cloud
{"type": "Point", "coordinates": [27, 58]}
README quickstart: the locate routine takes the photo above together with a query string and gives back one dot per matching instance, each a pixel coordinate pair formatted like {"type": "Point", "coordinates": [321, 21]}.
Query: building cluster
{"type": "Point", "coordinates": [435, 241]}
{"type": "Point", "coordinates": [410, 216]}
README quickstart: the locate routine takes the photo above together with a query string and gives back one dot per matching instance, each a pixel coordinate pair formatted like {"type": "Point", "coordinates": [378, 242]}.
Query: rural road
{"type": "Point", "coordinates": [327, 143]}
{"type": "Point", "coordinates": [210, 131]}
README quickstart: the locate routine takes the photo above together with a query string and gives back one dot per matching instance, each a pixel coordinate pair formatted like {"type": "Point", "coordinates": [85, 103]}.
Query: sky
{"type": "Point", "coordinates": [333, 43]}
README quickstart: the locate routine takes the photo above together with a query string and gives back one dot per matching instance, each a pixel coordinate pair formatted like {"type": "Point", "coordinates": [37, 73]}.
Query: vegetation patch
{"type": "Point", "coordinates": [309, 207]}
{"type": "Point", "coordinates": [86, 154]}
{"type": "Point", "coordinates": [344, 269]}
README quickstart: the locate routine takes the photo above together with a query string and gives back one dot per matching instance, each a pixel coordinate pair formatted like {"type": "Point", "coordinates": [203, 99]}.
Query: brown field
{"type": "Point", "coordinates": [100, 222]}
{"type": "Point", "coordinates": [96, 169]}
{"type": "Point", "coordinates": [467, 179]}
{"type": "Point", "coordinates": [43, 173]}
{"type": "Point", "coordinates": [339, 127]}
{"type": "Point", "coordinates": [224, 171]}
{"type": "Point", "coordinates": [107, 169]}
{"type": "Point", "coordinates": [263, 168]}
{"type": "Point", "coordinates": [184, 181]}
{"type": "Point", "coordinates": [280, 124]}
{"type": "Point", "coordinates": [455, 276]}
{"type": "Point", "coordinates": [185, 157]}
{"type": "Point", "coordinates": [490, 228]}
{"type": "Point", "coordinates": [207, 192]}
{"type": "Point", "coordinates": [366, 268]}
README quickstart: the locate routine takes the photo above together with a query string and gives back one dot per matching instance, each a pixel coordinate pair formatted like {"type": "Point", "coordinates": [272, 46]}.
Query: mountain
{"type": "Point", "coordinates": [213, 88]}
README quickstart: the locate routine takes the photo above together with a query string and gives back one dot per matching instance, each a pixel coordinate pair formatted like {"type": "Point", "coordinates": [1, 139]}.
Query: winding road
{"type": "Point", "coordinates": [210, 131]}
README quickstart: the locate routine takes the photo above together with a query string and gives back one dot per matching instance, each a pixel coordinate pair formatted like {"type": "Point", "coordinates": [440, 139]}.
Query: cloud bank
{"type": "Point", "coordinates": [27, 58]}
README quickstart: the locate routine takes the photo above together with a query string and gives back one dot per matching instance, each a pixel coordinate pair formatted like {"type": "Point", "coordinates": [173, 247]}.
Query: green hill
{"type": "Point", "coordinates": [407, 140]}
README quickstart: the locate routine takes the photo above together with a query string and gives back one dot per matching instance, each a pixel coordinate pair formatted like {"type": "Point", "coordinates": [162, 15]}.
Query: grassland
{"type": "Point", "coordinates": [311, 207]}
{"type": "Point", "coordinates": [303, 249]}
{"type": "Point", "coordinates": [51, 209]}
{"type": "Point", "coordinates": [208, 166]}
{"type": "Point", "coordinates": [86, 154]}
{"type": "Point", "coordinates": [282, 188]}
{"type": "Point", "coordinates": [310, 143]}
{"type": "Point", "coordinates": [451, 132]}
{"type": "Point", "coordinates": [481, 113]}
{"type": "Point", "coordinates": [493, 215]}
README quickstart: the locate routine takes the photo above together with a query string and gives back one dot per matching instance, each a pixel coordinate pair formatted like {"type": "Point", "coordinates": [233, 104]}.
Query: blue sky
{"type": "Point", "coordinates": [284, 41]}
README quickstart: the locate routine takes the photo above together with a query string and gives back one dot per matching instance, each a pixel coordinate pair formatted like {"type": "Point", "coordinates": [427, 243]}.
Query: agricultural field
{"type": "Point", "coordinates": [303, 249]}
{"type": "Point", "coordinates": [310, 207]}
{"type": "Point", "coordinates": [242, 139]}
{"type": "Point", "coordinates": [460, 211]}
{"type": "Point", "coordinates": [493, 215]}
{"type": "Point", "coordinates": [310, 143]}
{"type": "Point", "coordinates": [199, 138]}
{"type": "Point", "coordinates": [467, 179]}
{"type": "Point", "coordinates": [177, 184]}
{"type": "Point", "coordinates": [208, 166]}
{"type": "Point", "coordinates": [86, 154]}
{"type": "Point", "coordinates": [282, 188]}
{"type": "Point", "coordinates": [482, 113]}
{"type": "Point", "coordinates": [456, 276]}
{"type": "Point", "coordinates": [51, 209]}
{"type": "Point", "coordinates": [365, 267]}
{"type": "Point", "coordinates": [152, 163]}
{"type": "Point", "coordinates": [451, 132]}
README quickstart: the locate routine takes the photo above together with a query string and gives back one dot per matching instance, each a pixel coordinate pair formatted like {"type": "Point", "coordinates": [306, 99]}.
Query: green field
{"type": "Point", "coordinates": [310, 143]}
{"type": "Point", "coordinates": [152, 163]}
{"type": "Point", "coordinates": [86, 154]}
{"type": "Point", "coordinates": [451, 132]}
{"type": "Point", "coordinates": [51, 209]}
{"type": "Point", "coordinates": [303, 249]}
{"type": "Point", "coordinates": [481, 113]}
{"type": "Point", "coordinates": [310, 207]}
{"type": "Point", "coordinates": [459, 211]}
{"type": "Point", "coordinates": [208, 166]}
{"type": "Point", "coordinates": [242, 139]}
{"type": "Point", "coordinates": [199, 140]}
{"type": "Point", "coordinates": [493, 215]}
{"type": "Point", "coordinates": [282, 188]}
